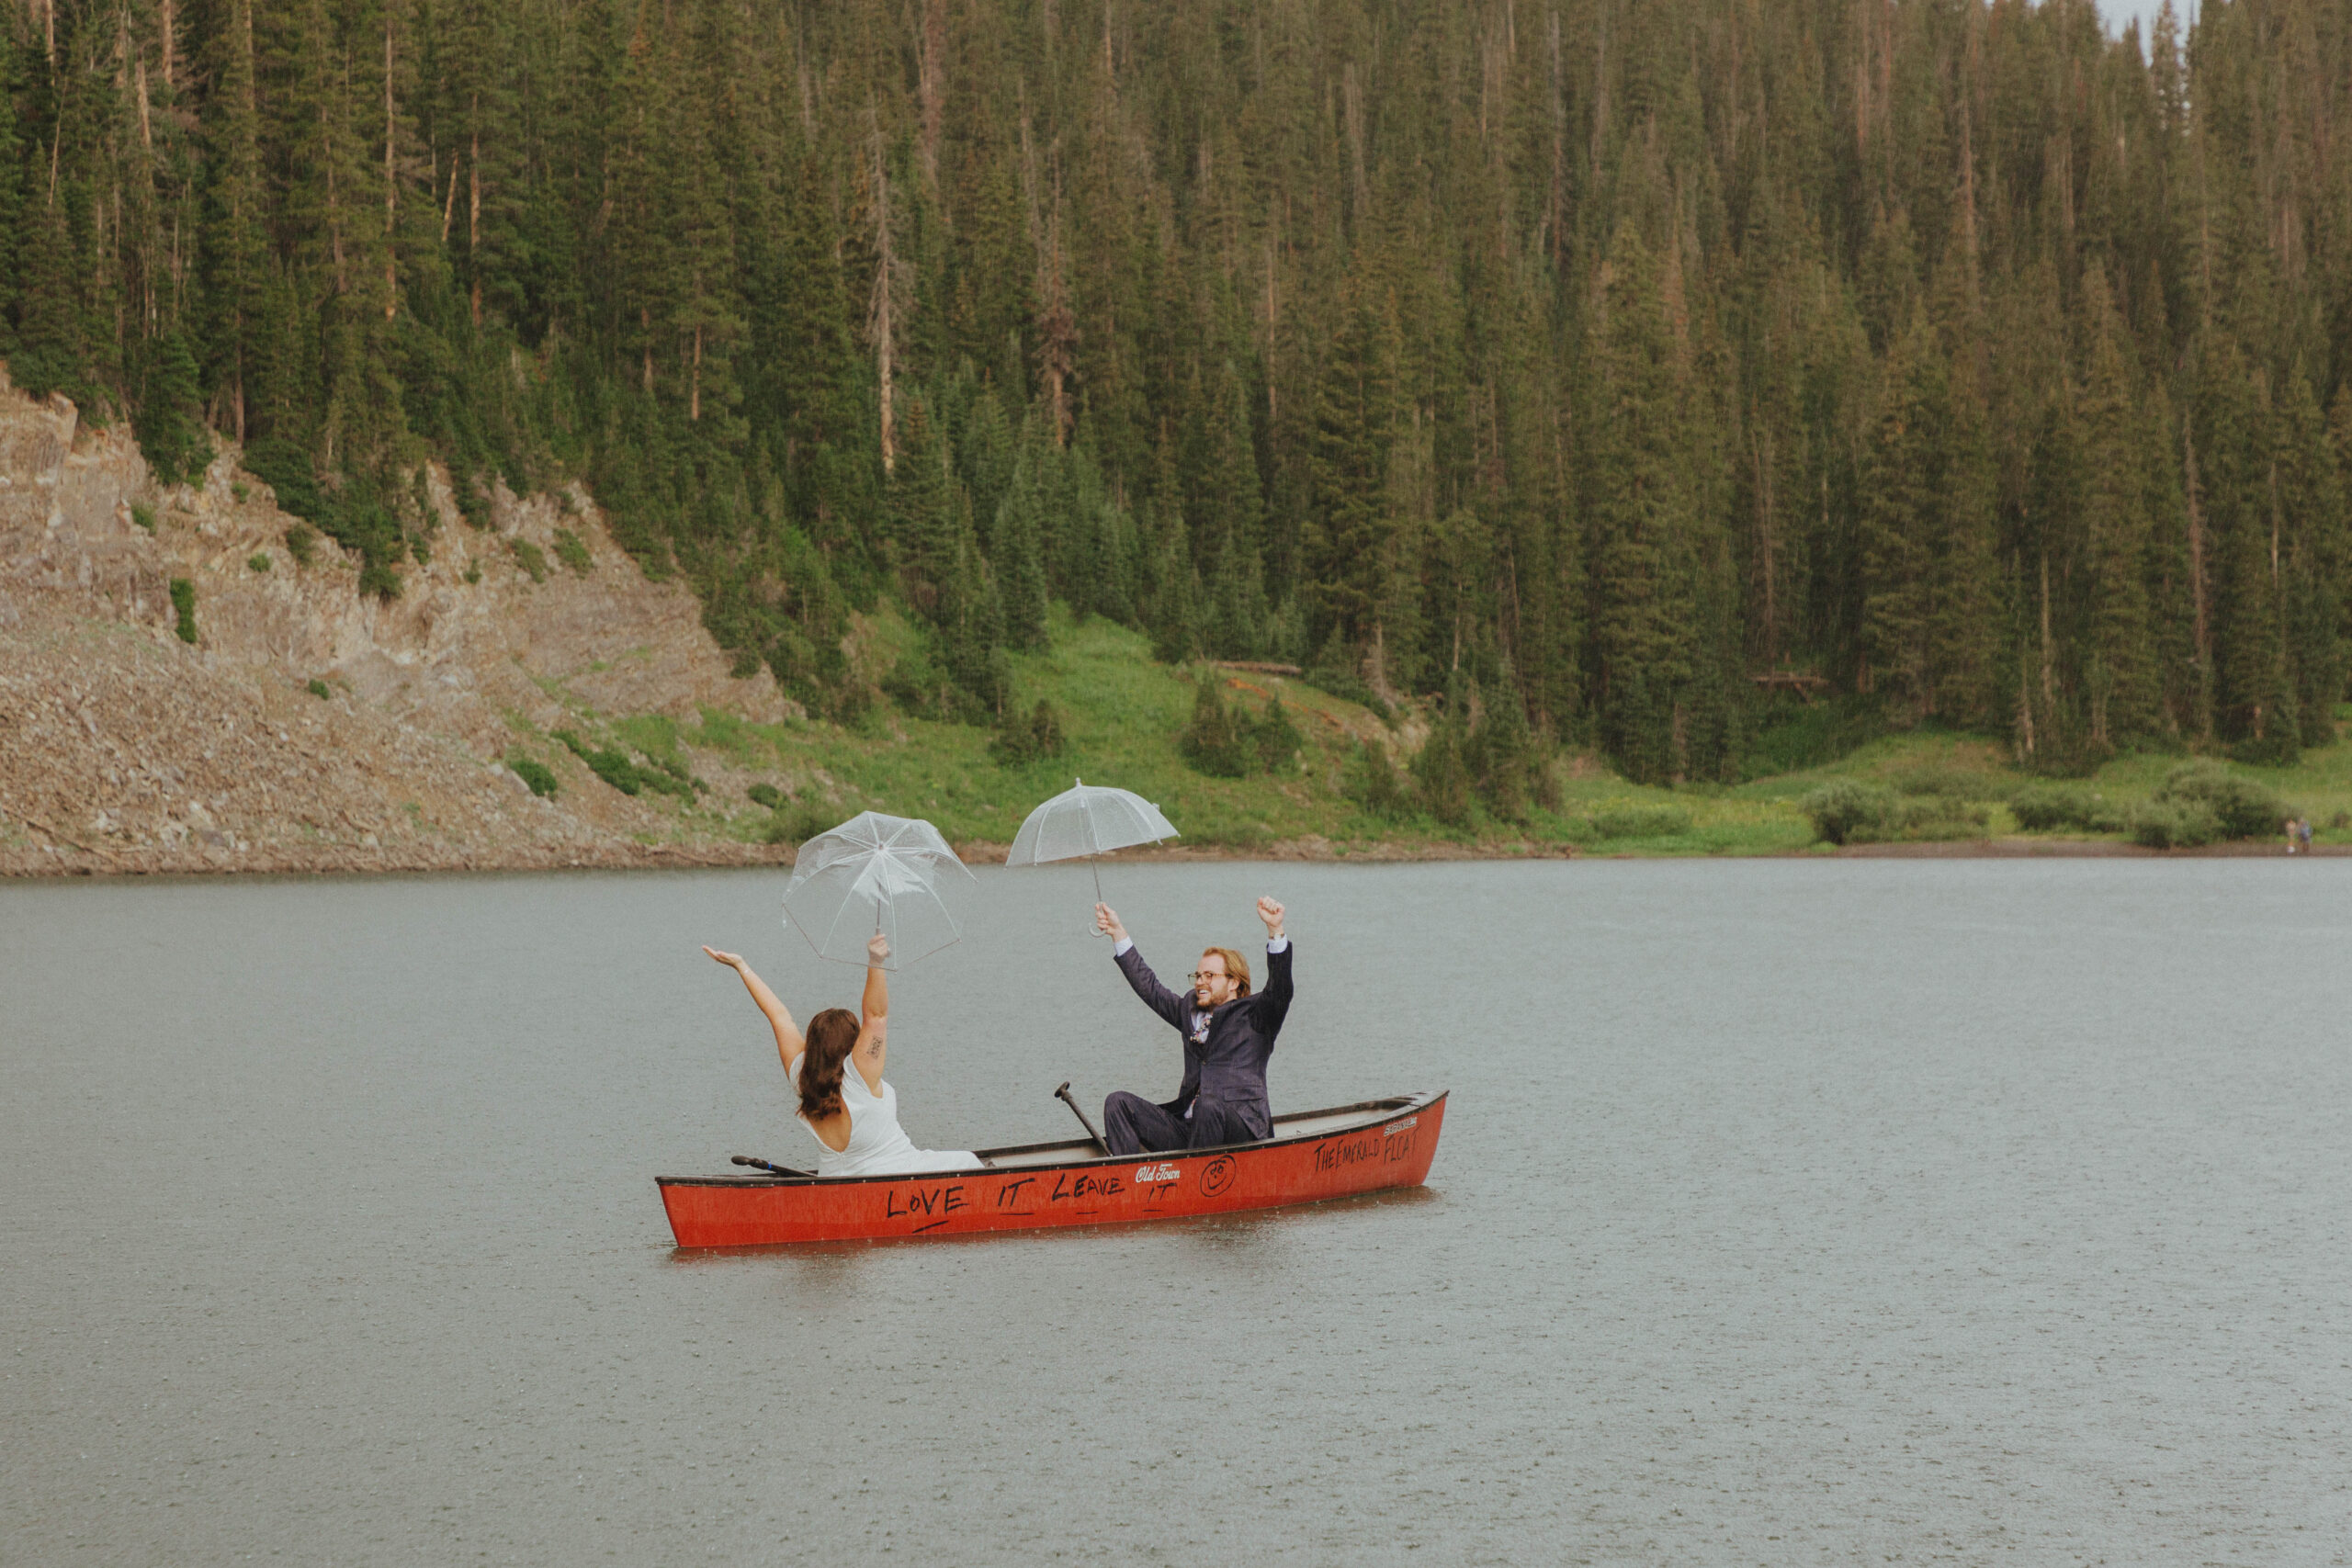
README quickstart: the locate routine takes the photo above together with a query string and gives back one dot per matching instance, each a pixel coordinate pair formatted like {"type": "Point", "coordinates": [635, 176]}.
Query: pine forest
{"type": "Point", "coordinates": [1596, 367]}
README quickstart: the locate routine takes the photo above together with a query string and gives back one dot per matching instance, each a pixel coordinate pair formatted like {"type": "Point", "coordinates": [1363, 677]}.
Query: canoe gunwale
{"type": "Point", "coordinates": [1373, 1113]}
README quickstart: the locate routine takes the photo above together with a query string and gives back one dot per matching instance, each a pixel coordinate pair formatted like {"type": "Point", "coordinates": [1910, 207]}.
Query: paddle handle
{"type": "Point", "coordinates": [762, 1165]}
{"type": "Point", "coordinates": [1062, 1094]}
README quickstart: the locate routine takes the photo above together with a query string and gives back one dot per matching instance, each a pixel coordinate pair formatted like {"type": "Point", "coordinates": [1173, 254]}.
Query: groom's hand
{"type": "Point", "coordinates": [1271, 913]}
{"type": "Point", "coordinates": [1106, 920]}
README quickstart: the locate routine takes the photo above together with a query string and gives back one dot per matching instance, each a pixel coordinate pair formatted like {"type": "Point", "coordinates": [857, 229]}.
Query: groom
{"type": "Point", "coordinates": [1229, 1034]}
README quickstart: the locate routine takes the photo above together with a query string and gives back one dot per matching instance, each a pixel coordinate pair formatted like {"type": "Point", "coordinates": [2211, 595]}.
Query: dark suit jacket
{"type": "Point", "coordinates": [1226, 1060]}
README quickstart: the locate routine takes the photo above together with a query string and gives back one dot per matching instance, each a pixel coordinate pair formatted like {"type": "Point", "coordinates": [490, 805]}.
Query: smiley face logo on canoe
{"type": "Point", "coordinates": [1217, 1175]}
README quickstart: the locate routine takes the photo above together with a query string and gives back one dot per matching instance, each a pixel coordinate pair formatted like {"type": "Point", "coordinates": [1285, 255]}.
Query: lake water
{"type": "Point", "coordinates": [1787, 1212]}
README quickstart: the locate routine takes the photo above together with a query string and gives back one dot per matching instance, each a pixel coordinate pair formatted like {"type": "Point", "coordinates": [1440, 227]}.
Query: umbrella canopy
{"type": "Point", "coordinates": [873, 874]}
{"type": "Point", "coordinates": [1087, 820]}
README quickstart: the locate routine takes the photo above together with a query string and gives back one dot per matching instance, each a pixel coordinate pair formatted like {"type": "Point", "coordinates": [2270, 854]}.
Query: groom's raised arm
{"type": "Point", "coordinates": [1156, 997]}
{"type": "Point", "coordinates": [1273, 1002]}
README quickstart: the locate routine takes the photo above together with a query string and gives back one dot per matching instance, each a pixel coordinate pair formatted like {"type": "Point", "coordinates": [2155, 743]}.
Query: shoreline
{"type": "Point", "coordinates": [64, 859]}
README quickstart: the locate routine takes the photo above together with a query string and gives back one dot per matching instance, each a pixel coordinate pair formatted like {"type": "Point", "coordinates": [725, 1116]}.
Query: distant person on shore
{"type": "Point", "coordinates": [2293, 828]}
{"type": "Point", "coordinates": [1228, 1035]}
{"type": "Point", "coordinates": [837, 1068]}
{"type": "Point", "coordinates": [2304, 831]}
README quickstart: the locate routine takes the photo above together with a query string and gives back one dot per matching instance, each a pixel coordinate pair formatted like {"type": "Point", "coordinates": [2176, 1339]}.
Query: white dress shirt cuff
{"type": "Point", "coordinates": [1280, 944]}
{"type": "Point", "coordinates": [1123, 946]}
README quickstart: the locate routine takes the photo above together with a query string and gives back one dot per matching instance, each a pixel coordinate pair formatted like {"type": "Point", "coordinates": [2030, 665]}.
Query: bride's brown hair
{"type": "Point", "coordinates": [832, 1035]}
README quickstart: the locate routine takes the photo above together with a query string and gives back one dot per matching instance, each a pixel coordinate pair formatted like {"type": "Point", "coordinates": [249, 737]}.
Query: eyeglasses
{"type": "Point", "coordinates": [1197, 975]}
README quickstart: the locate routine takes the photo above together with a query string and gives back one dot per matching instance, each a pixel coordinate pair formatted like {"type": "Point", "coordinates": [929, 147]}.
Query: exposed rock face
{"type": "Point", "coordinates": [123, 748]}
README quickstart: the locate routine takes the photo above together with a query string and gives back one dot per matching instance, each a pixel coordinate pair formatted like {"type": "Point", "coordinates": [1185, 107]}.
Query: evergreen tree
{"type": "Point", "coordinates": [1018, 546]}
{"type": "Point", "coordinates": [48, 353]}
{"type": "Point", "coordinates": [2120, 669]}
{"type": "Point", "coordinates": [1643, 520]}
{"type": "Point", "coordinates": [171, 424]}
{"type": "Point", "coordinates": [1347, 465]}
{"type": "Point", "coordinates": [2314, 537]}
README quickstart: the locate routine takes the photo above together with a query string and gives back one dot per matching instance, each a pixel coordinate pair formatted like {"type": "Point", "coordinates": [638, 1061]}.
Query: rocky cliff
{"type": "Point", "coordinates": [308, 728]}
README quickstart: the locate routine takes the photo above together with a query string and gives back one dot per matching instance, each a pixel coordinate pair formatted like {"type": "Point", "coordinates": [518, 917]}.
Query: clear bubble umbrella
{"type": "Point", "coordinates": [873, 874]}
{"type": "Point", "coordinates": [1088, 821]}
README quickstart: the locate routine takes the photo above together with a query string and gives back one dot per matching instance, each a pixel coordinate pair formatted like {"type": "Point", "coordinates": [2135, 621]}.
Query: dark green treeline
{"type": "Point", "coordinates": [1592, 355]}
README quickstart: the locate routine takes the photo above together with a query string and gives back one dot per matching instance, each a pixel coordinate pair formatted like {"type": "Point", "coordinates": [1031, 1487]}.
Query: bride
{"type": "Point", "coordinates": [854, 1115]}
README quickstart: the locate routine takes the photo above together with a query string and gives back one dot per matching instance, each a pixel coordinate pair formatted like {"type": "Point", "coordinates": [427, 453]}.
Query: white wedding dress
{"type": "Point", "coordinates": [877, 1145]}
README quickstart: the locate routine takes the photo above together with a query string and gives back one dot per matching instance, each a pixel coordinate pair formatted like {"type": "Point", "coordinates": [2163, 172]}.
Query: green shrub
{"type": "Point", "coordinates": [531, 557]}
{"type": "Point", "coordinates": [610, 766]}
{"type": "Point", "coordinates": [1640, 822]}
{"type": "Point", "coordinates": [2043, 808]}
{"type": "Point", "coordinates": [2239, 807]}
{"type": "Point", "coordinates": [570, 551]}
{"type": "Point", "coordinates": [143, 514]}
{"type": "Point", "coordinates": [1442, 775]}
{"type": "Point", "coordinates": [1212, 742]}
{"type": "Point", "coordinates": [473, 504]}
{"type": "Point", "coordinates": [184, 608]}
{"type": "Point", "coordinates": [318, 688]}
{"type": "Point", "coordinates": [302, 544]}
{"type": "Point", "coordinates": [381, 580]}
{"type": "Point", "coordinates": [797, 824]}
{"type": "Point", "coordinates": [1231, 742]}
{"type": "Point", "coordinates": [662, 777]}
{"type": "Point", "coordinates": [1373, 782]}
{"type": "Point", "coordinates": [1031, 740]}
{"type": "Point", "coordinates": [237, 487]}
{"type": "Point", "coordinates": [2172, 825]}
{"type": "Point", "coordinates": [1274, 739]}
{"type": "Point", "coordinates": [1845, 809]}
{"type": "Point", "coordinates": [766, 794]}
{"type": "Point", "coordinates": [257, 564]}
{"type": "Point", "coordinates": [1504, 754]}
{"type": "Point", "coordinates": [538, 775]}
{"type": "Point", "coordinates": [473, 570]}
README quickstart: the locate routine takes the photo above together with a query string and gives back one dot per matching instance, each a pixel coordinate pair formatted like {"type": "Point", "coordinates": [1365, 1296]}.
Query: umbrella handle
{"type": "Point", "coordinates": [1095, 866]}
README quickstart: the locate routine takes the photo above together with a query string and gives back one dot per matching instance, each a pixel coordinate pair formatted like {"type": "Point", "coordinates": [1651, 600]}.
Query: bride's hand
{"type": "Point", "coordinates": [877, 949]}
{"type": "Point", "coordinates": [732, 960]}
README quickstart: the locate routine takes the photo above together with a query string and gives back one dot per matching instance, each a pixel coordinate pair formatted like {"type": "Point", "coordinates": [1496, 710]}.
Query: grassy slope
{"type": "Point", "coordinates": [1122, 714]}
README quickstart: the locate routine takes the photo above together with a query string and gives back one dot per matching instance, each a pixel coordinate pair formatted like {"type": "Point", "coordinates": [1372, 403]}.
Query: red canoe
{"type": "Point", "coordinates": [1316, 1155]}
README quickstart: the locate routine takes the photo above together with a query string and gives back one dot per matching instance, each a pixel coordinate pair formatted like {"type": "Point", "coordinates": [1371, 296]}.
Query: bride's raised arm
{"type": "Point", "coordinates": [874, 1021]}
{"type": "Point", "coordinates": [789, 1043]}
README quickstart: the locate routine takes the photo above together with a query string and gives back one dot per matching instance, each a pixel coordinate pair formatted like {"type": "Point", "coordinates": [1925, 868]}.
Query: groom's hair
{"type": "Point", "coordinates": [832, 1035]}
{"type": "Point", "coordinates": [1234, 966]}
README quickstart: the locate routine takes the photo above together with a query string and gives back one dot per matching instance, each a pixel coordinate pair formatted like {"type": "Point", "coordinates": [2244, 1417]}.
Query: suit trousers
{"type": "Point", "coordinates": [1134, 1125]}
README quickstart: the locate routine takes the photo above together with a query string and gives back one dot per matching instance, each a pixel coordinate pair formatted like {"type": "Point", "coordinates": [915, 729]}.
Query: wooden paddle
{"type": "Point", "coordinates": [1062, 1094]}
